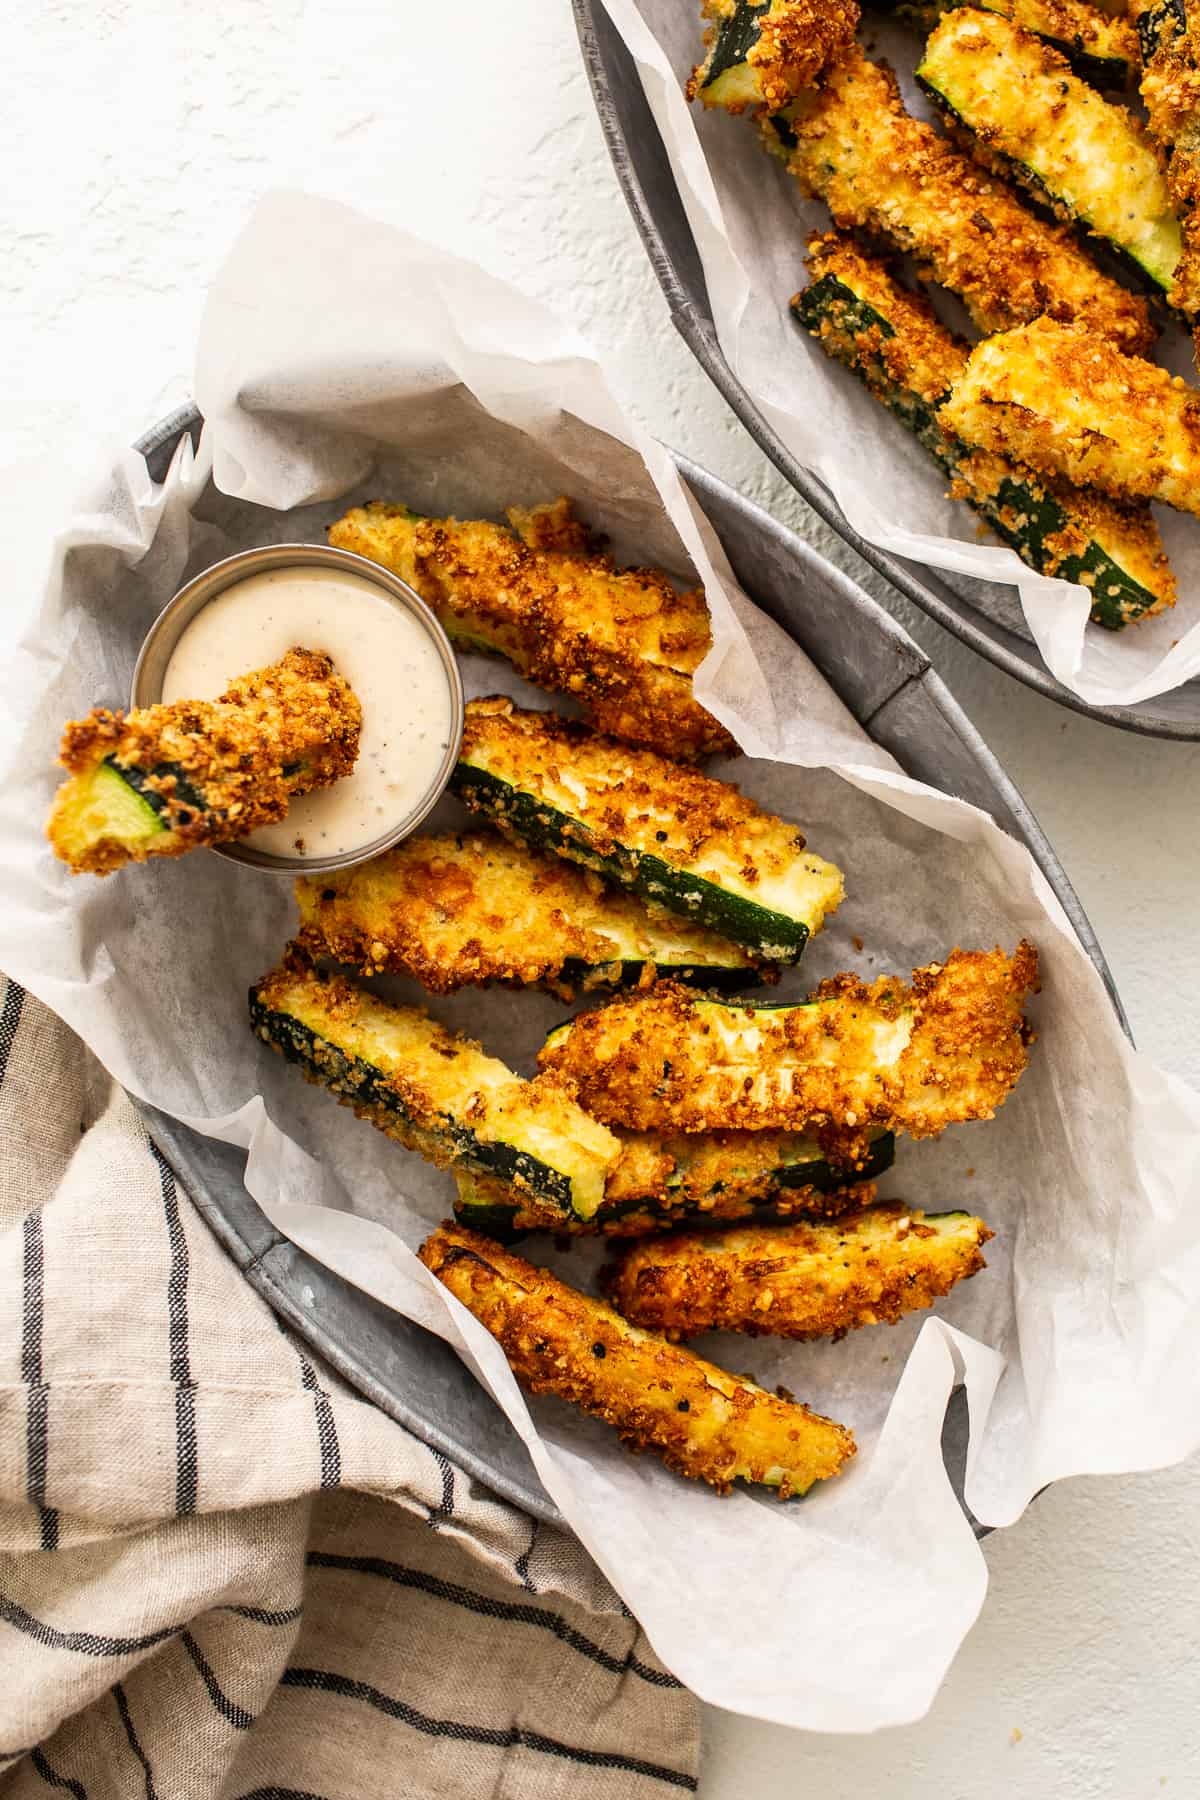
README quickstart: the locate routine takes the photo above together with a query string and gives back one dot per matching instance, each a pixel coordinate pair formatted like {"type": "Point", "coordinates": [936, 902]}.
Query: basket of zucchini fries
{"type": "Point", "coordinates": [724, 1141]}
{"type": "Point", "coordinates": [669, 1086]}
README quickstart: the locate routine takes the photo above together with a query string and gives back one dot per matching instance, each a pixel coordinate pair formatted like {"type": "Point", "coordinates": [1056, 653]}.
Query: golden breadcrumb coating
{"type": "Point", "coordinates": [879, 169]}
{"type": "Point", "coordinates": [622, 642]}
{"type": "Point", "coordinates": [1088, 32]}
{"type": "Point", "coordinates": [794, 41]}
{"type": "Point", "coordinates": [212, 770]}
{"type": "Point", "coordinates": [805, 1280]}
{"type": "Point", "coordinates": [1171, 95]}
{"type": "Point", "coordinates": [920, 356]}
{"type": "Point", "coordinates": [1067, 402]}
{"type": "Point", "coordinates": [703, 1422]}
{"type": "Point", "coordinates": [658, 1184]}
{"type": "Point", "coordinates": [472, 908]}
{"type": "Point", "coordinates": [897, 1057]}
{"type": "Point", "coordinates": [1028, 117]}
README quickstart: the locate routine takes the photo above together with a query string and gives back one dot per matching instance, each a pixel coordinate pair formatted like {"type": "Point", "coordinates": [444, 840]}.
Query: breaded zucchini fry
{"type": "Point", "coordinates": [1101, 49]}
{"type": "Point", "coordinates": [620, 641]}
{"type": "Point", "coordinates": [804, 1280]}
{"type": "Point", "coordinates": [460, 910]}
{"type": "Point", "coordinates": [1025, 115]}
{"type": "Point", "coordinates": [434, 1092]}
{"type": "Point", "coordinates": [1068, 403]}
{"type": "Point", "coordinates": [493, 1208]}
{"type": "Point", "coordinates": [1170, 38]}
{"type": "Point", "coordinates": [167, 779]}
{"type": "Point", "coordinates": [762, 53]}
{"type": "Point", "coordinates": [853, 145]}
{"type": "Point", "coordinates": [704, 1423]}
{"type": "Point", "coordinates": [890, 1056]}
{"type": "Point", "coordinates": [658, 1183]}
{"type": "Point", "coordinates": [891, 338]}
{"type": "Point", "coordinates": [685, 843]}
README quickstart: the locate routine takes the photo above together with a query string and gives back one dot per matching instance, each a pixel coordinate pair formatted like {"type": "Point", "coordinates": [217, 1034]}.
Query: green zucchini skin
{"type": "Point", "coordinates": [1114, 70]}
{"type": "Point", "coordinates": [1021, 510]}
{"type": "Point", "coordinates": [776, 1206]}
{"type": "Point", "coordinates": [585, 977]}
{"type": "Point", "coordinates": [768, 933]}
{"type": "Point", "coordinates": [1155, 20]}
{"type": "Point", "coordinates": [141, 781]}
{"type": "Point", "coordinates": [736, 37]}
{"type": "Point", "coordinates": [1026, 116]}
{"type": "Point", "coordinates": [307, 1048]}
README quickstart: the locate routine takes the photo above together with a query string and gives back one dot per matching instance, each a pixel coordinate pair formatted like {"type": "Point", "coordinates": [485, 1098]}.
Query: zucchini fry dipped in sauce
{"type": "Point", "coordinates": [1069, 404]}
{"type": "Point", "coordinates": [171, 778]}
{"type": "Point", "coordinates": [762, 53]}
{"type": "Point", "coordinates": [433, 1091]}
{"type": "Point", "coordinates": [1101, 49]}
{"type": "Point", "coordinates": [805, 1280]}
{"type": "Point", "coordinates": [853, 145]}
{"type": "Point", "coordinates": [917, 1058]}
{"type": "Point", "coordinates": [622, 642]}
{"type": "Point", "coordinates": [890, 337]}
{"type": "Point", "coordinates": [460, 910]}
{"type": "Point", "coordinates": [1024, 115]}
{"type": "Point", "coordinates": [685, 843]}
{"type": "Point", "coordinates": [703, 1422]}
{"type": "Point", "coordinates": [658, 1183]}
{"type": "Point", "coordinates": [1170, 38]}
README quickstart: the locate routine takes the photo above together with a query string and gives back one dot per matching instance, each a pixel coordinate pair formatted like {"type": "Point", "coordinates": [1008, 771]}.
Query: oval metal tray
{"type": "Point", "coordinates": [890, 686]}
{"type": "Point", "coordinates": [960, 604]}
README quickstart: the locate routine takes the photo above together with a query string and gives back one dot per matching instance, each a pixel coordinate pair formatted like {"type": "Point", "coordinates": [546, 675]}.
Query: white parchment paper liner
{"type": "Point", "coordinates": [751, 224]}
{"type": "Point", "coordinates": [338, 359]}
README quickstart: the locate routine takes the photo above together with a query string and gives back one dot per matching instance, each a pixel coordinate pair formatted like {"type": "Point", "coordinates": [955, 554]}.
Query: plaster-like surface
{"type": "Point", "coordinates": [135, 140]}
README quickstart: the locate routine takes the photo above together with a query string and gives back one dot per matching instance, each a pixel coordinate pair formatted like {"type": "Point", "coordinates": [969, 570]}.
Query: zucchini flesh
{"type": "Point", "coordinates": [765, 52]}
{"type": "Point", "coordinates": [698, 1181]}
{"type": "Point", "coordinates": [106, 808]}
{"type": "Point", "coordinates": [900, 1056]}
{"type": "Point", "coordinates": [683, 842]}
{"type": "Point", "coordinates": [434, 1092]}
{"type": "Point", "coordinates": [810, 1279]}
{"type": "Point", "coordinates": [1031, 118]}
{"type": "Point", "coordinates": [854, 145]}
{"type": "Point", "coordinates": [1071, 404]}
{"type": "Point", "coordinates": [891, 339]}
{"type": "Point", "coordinates": [470, 908]}
{"type": "Point", "coordinates": [1101, 50]}
{"type": "Point", "coordinates": [702, 1421]}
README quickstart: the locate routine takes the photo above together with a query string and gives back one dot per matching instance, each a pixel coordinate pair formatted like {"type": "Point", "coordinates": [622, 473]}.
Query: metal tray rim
{"type": "Point", "coordinates": [700, 337]}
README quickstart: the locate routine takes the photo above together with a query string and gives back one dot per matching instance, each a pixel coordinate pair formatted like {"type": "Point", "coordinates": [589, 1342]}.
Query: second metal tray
{"type": "Point", "coordinates": [958, 603]}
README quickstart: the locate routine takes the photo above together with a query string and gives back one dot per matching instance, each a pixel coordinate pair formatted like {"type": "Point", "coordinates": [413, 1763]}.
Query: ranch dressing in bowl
{"type": "Point", "coordinates": [248, 612]}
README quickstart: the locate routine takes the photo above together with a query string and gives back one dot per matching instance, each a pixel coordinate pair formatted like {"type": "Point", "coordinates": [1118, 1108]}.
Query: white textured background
{"type": "Point", "coordinates": [134, 141]}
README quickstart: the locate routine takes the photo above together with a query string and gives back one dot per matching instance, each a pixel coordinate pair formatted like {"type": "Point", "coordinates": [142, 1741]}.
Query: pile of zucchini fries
{"type": "Point", "coordinates": [726, 1144]}
{"type": "Point", "coordinates": [1054, 427]}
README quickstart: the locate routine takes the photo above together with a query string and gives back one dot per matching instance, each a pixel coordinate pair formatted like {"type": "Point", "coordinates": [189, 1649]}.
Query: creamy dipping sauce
{"type": "Point", "coordinates": [385, 654]}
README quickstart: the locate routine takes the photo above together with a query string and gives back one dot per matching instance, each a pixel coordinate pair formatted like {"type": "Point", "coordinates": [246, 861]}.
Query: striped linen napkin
{"type": "Point", "coordinates": [224, 1574]}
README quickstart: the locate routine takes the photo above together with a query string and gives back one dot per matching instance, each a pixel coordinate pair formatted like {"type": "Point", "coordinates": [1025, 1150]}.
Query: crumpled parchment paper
{"type": "Point", "coordinates": [340, 359]}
